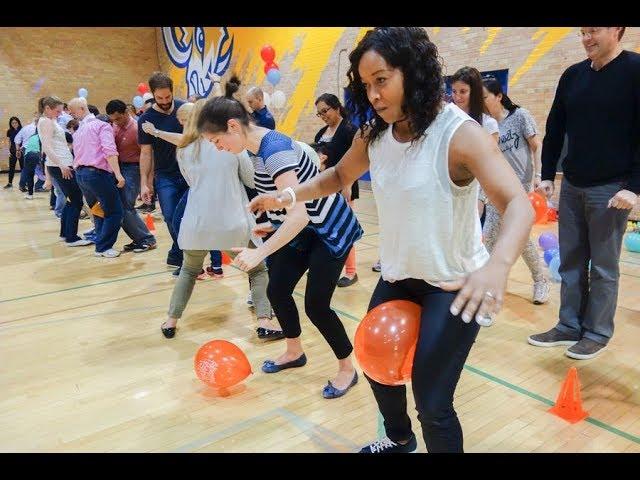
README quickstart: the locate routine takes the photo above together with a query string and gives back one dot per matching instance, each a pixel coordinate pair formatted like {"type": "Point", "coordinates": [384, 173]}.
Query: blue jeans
{"type": "Point", "coordinates": [72, 207]}
{"type": "Point", "coordinates": [216, 255]}
{"type": "Point", "coordinates": [31, 161]}
{"type": "Point", "coordinates": [60, 198]}
{"type": "Point", "coordinates": [132, 224]}
{"type": "Point", "coordinates": [444, 342]}
{"type": "Point", "coordinates": [170, 189]}
{"type": "Point", "coordinates": [100, 186]}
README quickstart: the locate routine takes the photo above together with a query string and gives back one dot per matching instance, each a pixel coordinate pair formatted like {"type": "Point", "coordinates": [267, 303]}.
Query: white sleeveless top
{"type": "Point", "coordinates": [429, 226]}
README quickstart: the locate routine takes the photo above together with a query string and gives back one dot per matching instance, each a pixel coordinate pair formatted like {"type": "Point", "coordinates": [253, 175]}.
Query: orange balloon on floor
{"type": "Point", "coordinates": [386, 341]}
{"type": "Point", "coordinates": [539, 204]}
{"type": "Point", "coordinates": [221, 364]}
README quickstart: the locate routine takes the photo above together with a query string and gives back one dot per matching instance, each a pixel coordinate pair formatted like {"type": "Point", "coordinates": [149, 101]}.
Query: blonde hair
{"type": "Point", "coordinates": [190, 132]}
{"type": "Point", "coordinates": [51, 102]}
{"type": "Point", "coordinates": [183, 111]}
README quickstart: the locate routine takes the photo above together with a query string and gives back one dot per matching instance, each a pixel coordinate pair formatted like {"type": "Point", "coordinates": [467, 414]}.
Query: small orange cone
{"type": "Point", "coordinates": [226, 259]}
{"type": "Point", "coordinates": [569, 402]}
{"type": "Point", "coordinates": [150, 225]}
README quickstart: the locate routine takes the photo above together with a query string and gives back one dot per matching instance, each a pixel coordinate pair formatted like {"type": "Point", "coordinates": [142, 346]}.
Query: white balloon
{"type": "Point", "coordinates": [267, 99]}
{"type": "Point", "coordinates": [278, 98]}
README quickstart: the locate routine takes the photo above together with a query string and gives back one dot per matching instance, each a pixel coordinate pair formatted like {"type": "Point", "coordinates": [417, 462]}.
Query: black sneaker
{"type": "Point", "coordinates": [130, 247]}
{"type": "Point", "coordinates": [584, 349]}
{"type": "Point", "coordinates": [23, 189]}
{"type": "Point", "coordinates": [346, 281]}
{"type": "Point", "coordinates": [174, 262]}
{"type": "Point", "coordinates": [386, 445]}
{"type": "Point", "coordinates": [553, 338]}
{"type": "Point", "coordinates": [8, 185]}
{"type": "Point", "coordinates": [143, 247]}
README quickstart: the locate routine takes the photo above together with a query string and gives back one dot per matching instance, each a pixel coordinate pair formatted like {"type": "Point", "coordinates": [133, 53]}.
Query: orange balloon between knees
{"type": "Point", "coordinates": [386, 341]}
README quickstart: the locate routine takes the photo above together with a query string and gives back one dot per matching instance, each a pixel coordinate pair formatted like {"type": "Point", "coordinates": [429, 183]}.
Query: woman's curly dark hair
{"type": "Point", "coordinates": [410, 50]}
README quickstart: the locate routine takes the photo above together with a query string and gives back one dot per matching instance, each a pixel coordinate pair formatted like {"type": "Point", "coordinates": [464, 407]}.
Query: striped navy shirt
{"type": "Point", "coordinates": [330, 217]}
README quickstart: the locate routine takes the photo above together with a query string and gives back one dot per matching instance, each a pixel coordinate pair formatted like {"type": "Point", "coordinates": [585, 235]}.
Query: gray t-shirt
{"type": "Point", "coordinates": [514, 131]}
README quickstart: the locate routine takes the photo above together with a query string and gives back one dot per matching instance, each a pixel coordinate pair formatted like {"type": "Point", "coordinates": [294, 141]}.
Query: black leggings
{"type": "Point", "coordinates": [444, 342]}
{"type": "Point", "coordinates": [286, 267]}
{"type": "Point", "coordinates": [12, 164]}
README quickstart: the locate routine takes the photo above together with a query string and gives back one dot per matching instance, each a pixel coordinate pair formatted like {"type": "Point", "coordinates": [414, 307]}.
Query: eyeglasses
{"type": "Point", "coordinates": [589, 32]}
{"type": "Point", "coordinates": [323, 112]}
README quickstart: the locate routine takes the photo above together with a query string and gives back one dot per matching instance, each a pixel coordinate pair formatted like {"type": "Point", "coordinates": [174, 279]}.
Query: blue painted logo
{"type": "Point", "coordinates": [187, 49]}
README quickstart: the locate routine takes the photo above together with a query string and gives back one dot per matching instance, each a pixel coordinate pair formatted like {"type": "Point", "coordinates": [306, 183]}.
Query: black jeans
{"type": "Point", "coordinates": [286, 267]}
{"type": "Point", "coordinates": [444, 342]}
{"type": "Point", "coordinates": [71, 210]}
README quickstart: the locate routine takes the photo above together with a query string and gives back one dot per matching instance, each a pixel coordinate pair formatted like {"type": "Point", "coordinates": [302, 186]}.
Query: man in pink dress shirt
{"type": "Point", "coordinates": [98, 175]}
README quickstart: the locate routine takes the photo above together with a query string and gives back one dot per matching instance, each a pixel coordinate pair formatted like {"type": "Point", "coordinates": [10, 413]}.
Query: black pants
{"type": "Point", "coordinates": [12, 164]}
{"type": "Point", "coordinates": [444, 342]}
{"type": "Point", "coordinates": [286, 268]}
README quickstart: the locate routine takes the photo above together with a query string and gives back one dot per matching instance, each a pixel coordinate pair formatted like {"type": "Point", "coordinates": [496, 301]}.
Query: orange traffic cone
{"type": "Point", "coordinates": [150, 225]}
{"type": "Point", "coordinates": [226, 259]}
{"type": "Point", "coordinates": [569, 402]}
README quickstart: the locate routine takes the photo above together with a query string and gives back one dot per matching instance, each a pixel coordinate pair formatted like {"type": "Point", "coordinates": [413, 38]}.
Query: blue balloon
{"type": "Point", "coordinates": [549, 254]}
{"type": "Point", "coordinates": [632, 242]}
{"type": "Point", "coordinates": [138, 101]}
{"type": "Point", "coordinates": [548, 241]}
{"type": "Point", "coordinates": [554, 265]}
{"type": "Point", "coordinates": [273, 76]}
{"type": "Point", "coordinates": [82, 92]}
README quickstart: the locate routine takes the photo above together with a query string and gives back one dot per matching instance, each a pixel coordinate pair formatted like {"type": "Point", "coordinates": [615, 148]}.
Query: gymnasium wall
{"type": "Point", "coordinates": [39, 61]}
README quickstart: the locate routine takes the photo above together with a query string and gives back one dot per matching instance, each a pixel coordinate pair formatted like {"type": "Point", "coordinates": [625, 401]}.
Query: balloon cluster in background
{"type": "Point", "coordinates": [632, 238]}
{"type": "Point", "coordinates": [272, 71]}
{"type": "Point", "coordinates": [83, 92]}
{"type": "Point", "coordinates": [138, 101]}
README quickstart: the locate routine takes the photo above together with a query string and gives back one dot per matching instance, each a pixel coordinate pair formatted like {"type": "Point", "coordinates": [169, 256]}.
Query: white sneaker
{"type": "Point", "coordinates": [111, 253]}
{"type": "Point", "coordinates": [79, 243]}
{"type": "Point", "coordinates": [541, 291]}
{"type": "Point", "coordinates": [63, 239]}
{"type": "Point", "coordinates": [28, 197]}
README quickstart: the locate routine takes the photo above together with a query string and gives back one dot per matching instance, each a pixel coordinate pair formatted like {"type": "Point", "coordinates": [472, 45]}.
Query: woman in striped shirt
{"type": "Point", "coordinates": [323, 232]}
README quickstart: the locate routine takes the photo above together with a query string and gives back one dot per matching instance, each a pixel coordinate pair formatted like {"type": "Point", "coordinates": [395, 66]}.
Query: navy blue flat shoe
{"type": "Point", "coordinates": [268, 334]}
{"type": "Point", "coordinates": [330, 391]}
{"type": "Point", "coordinates": [269, 366]}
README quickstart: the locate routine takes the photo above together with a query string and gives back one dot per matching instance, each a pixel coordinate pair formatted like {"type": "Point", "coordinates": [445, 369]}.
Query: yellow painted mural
{"type": "Point", "coordinates": [491, 36]}
{"type": "Point", "coordinates": [550, 37]}
{"type": "Point", "coordinates": [302, 55]}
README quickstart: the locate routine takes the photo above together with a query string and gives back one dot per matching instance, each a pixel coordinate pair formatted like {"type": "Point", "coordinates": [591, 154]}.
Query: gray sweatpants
{"type": "Point", "coordinates": [191, 267]}
{"type": "Point", "coordinates": [589, 231]}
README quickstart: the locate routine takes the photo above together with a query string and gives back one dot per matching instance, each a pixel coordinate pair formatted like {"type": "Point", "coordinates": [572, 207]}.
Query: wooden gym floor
{"type": "Point", "coordinates": [85, 367]}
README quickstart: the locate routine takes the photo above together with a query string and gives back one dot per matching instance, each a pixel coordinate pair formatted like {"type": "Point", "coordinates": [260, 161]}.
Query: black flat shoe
{"type": "Point", "coordinates": [268, 334]}
{"type": "Point", "coordinates": [168, 332]}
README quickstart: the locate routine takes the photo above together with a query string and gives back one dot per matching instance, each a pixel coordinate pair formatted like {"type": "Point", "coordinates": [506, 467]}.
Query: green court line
{"type": "Point", "coordinates": [83, 286]}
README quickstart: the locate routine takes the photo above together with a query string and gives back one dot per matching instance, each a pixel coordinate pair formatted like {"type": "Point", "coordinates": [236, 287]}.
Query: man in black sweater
{"type": "Point", "coordinates": [597, 105]}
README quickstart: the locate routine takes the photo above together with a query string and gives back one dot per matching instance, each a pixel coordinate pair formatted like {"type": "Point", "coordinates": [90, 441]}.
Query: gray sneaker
{"type": "Point", "coordinates": [584, 349]}
{"type": "Point", "coordinates": [553, 338]}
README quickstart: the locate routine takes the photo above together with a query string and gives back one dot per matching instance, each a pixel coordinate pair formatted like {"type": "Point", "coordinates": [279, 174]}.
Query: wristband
{"type": "Point", "coordinates": [290, 191]}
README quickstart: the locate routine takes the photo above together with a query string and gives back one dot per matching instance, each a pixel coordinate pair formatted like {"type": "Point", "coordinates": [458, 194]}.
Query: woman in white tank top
{"type": "Point", "coordinates": [426, 160]}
